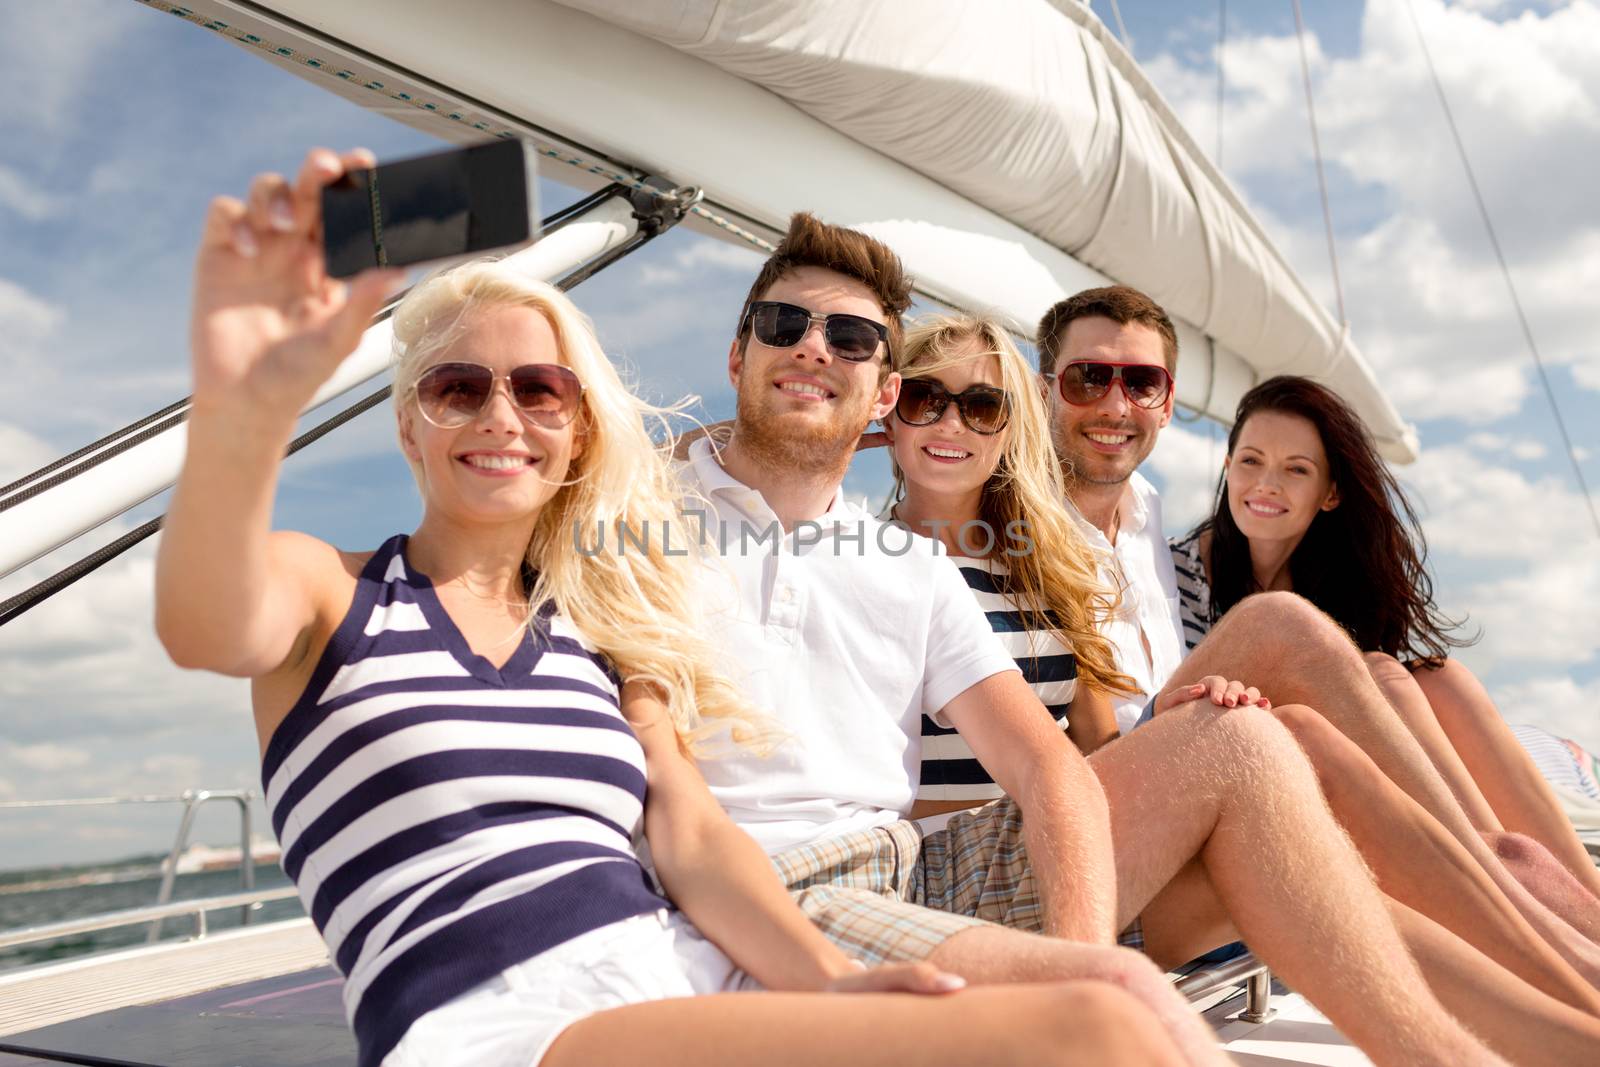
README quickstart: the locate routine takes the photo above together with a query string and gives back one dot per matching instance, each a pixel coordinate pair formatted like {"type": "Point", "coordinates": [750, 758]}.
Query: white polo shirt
{"type": "Point", "coordinates": [847, 630]}
{"type": "Point", "coordinates": [1140, 565]}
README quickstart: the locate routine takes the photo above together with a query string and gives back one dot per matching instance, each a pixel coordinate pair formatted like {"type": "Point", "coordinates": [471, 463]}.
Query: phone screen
{"type": "Point", "coordinates": [436, 206]}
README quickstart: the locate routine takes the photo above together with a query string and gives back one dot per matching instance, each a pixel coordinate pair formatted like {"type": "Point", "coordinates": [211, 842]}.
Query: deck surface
{"type": "Point", "coordinates": [40, 996]}
{"type": "Point", "coordinates": [266, 997]}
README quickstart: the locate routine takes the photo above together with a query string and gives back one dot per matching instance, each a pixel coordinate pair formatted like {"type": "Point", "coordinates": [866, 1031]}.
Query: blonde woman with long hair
{"type": "Point", "coordinates": [973, 466]}
{"type": "Point", "coordinates": [458, 729]}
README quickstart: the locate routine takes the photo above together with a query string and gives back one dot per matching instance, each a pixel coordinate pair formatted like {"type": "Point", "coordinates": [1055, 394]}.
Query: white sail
{"type": "Point", "coordinates": [1010, 151]}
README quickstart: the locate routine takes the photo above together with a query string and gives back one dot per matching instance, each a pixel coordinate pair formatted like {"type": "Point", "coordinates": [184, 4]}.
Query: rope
{"type": "Point", "coordinates": [173, 414]}
{"type": "Point", "coordinates": [1505, 269]}
{"type": "Point", "coordinates": [1316, 148]}
{"type": "Point", "coordinates": [1222, 70]}
{"type": "Point", "coordinates": [1122, 28]}
{"type": "Point", "coordinates": [37, 594]}
{"type": "Point", "coordinates": [88, 448]}
{"type": "Point", "coordinates": [56, 1056]}
{"type": "Point", "coordinates": [452, 107]}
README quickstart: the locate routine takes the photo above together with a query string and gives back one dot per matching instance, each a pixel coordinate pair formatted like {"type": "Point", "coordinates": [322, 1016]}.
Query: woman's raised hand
{"type": "Point", "coordinates": [268, 325]}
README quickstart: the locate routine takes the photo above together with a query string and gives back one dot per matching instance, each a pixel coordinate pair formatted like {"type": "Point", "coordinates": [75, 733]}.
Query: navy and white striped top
{"type": "Point", "coordinates": [442, 819]}
{"type": "Point", "coordinates": [949, 769]}
{"type": "Point", "coordinates": [1194, 591]}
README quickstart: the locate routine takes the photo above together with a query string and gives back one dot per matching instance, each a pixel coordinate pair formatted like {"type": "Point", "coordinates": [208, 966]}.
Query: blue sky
{"type": "Point", "coordinates": [134, 119]}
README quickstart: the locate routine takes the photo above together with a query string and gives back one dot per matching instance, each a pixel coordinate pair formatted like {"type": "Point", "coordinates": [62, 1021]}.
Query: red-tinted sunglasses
{"type": "Point", "coordinates": [1146, 385]}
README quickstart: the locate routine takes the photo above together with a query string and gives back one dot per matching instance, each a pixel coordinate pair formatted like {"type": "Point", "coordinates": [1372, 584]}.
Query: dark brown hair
{"type": "Point", "coordinates": [1363, 562]}
{"type": "Point", "coordinates": [1120, 304]}
{"type": "Point", "coordinates": [811, 242]}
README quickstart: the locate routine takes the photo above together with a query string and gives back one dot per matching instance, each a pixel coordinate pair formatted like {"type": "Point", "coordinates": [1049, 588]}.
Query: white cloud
{"type": "Point", "coordinates": [1514, 552]}
{"type": "Point", "coordinates": [693, 260]}
{"type": "Point", "coordinates": [1186, 462]}
{"type": "Point", "coordinates": [1560, 704]}
{"type": "Point", "coordinates": [1478, 510]}
{"type": "Point", "coordinates": [48, 61]}
{"type": "Point", "coordinates": [47, 757]}
{"type": "Point", "coordinates": [26, 321]}
{"type": "Point", "coordinates": [21, 453]}
{"type": "Point", "coordinates": [25, 199]}
{"type": "Point", "coordinates": [1517, 448]}
{"type": "Point", "coordinates": [1428, 305]}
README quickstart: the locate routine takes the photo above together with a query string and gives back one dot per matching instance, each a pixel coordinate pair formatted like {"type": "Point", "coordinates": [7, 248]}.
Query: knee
{"type": "Point", "coordinates": [1449, 688]}
{"type": "Point", "coordinates": [1383, 665]}
{"type": "Point", "coordinates": [1109, 1019]}
{"type": "Point", "coordinates": [1268, 744]}
{"type": "Point", "coordinates": [1518, 850]}
{"type": "Point", "coordinates": [1291, 624]}
{"type": "Point", "coordinates": [1125, 968]}
{"type": "Point", "coordinates": [1306, 724]}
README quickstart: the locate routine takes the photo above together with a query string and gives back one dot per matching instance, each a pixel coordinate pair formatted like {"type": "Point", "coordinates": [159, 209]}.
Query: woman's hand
{"type": "Point", "coordinates": [1221, 692]}
{"type": "Point", "coordinates": [269, 326]}
{"type": "Point", "coordinates": [922, 978]}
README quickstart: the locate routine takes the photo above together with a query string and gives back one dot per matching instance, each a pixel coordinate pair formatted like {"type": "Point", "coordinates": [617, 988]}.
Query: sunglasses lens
{"type": "Point", "coordinates": [546, 393]}
{"type": "Point", "coordinates": [1147, 386]}
{"type": "Point", "coordinates": [452, 394]}
{"type": "Point", "coordinates": [852, 337]}
{"type": "Point", "coordinates": [921, 402]}
{"type": "Point", "coordinates": [985, 412]}
{"type": "Point", "coordinates": [1084, 383]}
{"type": "Point", "coordinates": [779, 325]}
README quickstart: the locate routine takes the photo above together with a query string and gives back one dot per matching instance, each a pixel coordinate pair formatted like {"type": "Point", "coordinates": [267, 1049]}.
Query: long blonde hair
{"type": "Point", "coordinates": [638, 608]}
{"type": "Point", "coordinates": [1058, 577]}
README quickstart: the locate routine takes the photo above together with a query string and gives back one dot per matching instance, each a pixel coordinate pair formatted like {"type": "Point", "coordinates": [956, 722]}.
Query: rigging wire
{"type": "Point", "coordinates": [1222, 70]}
{"type": "Point", "coordinates": [1505, 269]}
{"type": "Point", "coordinates": [1322, 180]}
{"type": "Point", "coordinates": [684, 200]}
{"type": "Point", "coordinates": [1122, 27]}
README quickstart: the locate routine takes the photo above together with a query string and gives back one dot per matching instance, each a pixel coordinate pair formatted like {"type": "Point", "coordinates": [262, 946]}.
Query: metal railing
{"type": "Point", "coordinates": [192, 800]}
{"type": "Point", "coordinates": [1247, 969]}
{"type": "Point", "coordinates": [197, 907]}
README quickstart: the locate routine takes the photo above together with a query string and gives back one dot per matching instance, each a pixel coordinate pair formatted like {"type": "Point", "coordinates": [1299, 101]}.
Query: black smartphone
{"type": "Point", "coordinates": [445, 204]}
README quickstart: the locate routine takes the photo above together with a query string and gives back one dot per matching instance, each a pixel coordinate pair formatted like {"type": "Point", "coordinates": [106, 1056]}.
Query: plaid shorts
{"type": "Point", "coordinates": [895, 893]}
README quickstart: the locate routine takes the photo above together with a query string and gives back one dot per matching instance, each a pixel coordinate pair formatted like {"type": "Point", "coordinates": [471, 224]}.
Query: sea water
{"type": "Point", "coordinates": [47, 897]}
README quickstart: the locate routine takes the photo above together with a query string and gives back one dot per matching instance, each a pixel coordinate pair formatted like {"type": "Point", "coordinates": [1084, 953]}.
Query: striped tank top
{"type": "Point", "coordinates": [442, 819]}
{"type": "Point", "coordinates": [949, 769]}
{"type": "Point", "coordinates": [1194, 591]}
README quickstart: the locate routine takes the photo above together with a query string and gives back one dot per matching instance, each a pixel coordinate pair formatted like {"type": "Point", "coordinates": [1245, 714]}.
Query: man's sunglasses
{"type": "Point", "coordinates": [450, 395]}
{"type": "Point", "coordinates": [1146, 385]}
{"type": "Point", "coordinates": [923, 401]}
{"type": "Point", "coordinates": [850, 337]}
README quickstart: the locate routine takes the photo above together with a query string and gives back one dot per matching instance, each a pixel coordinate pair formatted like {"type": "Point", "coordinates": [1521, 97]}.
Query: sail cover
{"type": "Point", "coordinates": [1033, 110]}
{"type": "Point", "coordinates": [1010, 151]}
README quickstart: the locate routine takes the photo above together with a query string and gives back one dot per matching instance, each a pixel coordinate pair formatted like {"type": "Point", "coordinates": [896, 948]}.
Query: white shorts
{"type": "Point", "coordinates": [512, 1019]}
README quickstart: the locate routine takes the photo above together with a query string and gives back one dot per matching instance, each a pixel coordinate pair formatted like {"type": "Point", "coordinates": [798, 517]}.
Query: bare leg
{"type": "Point", "coordinates": [994, 954]}
{"type": "Point", "coordinates": [1080, 1023]}
{"type": "Point", "coordinates": [1400, 688]}
{"type": "Point", "coordinates": [1551, 883]}
{"type": "Point", "coordinates": [1417, 863]}
{"type": "Point", "coordinates": [1510, 782]}
{"type": "Point", "coordinates": [1297, 655]}
{"type": "Point", "coordinates": [1512, 1017]}
{"type": "Point", "coordinates": [1232, 788]}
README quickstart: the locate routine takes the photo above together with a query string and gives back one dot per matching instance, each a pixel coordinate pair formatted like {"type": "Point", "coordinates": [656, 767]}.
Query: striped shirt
{"type": "Point", "coordinates": [444, 819]}
{"type": "Point", "coordinates": [949, 769]}
{"type": "Point", "coordinates": [1194, 591]}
